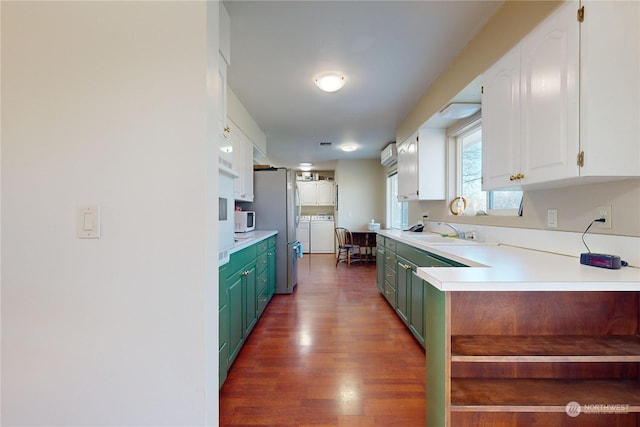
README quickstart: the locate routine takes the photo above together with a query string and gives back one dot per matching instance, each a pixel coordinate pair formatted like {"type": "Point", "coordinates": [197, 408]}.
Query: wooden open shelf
{"type": "Point", "coordinates": [503, 359]}
{"type": "Point", "coordinates": [558, 348]}
{"type": "Point", "coordinates": [540, 395]}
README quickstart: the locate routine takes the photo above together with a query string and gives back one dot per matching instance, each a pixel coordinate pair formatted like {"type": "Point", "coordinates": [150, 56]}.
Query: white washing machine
{"type": "Point", "coordinates": [322, 234]}
{"type": "Point", "coordinates": [302, 232]}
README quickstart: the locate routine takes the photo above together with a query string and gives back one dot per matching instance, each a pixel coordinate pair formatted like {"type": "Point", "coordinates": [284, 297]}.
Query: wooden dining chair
{"type": "Point", "coordinates": [346, 248]}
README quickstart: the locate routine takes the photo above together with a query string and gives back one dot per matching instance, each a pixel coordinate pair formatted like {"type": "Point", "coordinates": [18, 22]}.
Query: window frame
{"type": "Point", "coordinates": [455, 132]}
{"type": "Point", "coordinates": [391, 199]}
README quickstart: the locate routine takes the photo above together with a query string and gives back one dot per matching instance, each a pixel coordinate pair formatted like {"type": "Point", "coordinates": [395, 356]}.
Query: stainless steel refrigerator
{"type": "Point", "coordinates": [277, 205]}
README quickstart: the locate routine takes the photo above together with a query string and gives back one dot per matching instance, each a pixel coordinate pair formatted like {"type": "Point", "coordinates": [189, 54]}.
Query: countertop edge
{"type": "Point", "coordinates": [483, 274]}
{"type": "Point", "coordinates": [256, 236]}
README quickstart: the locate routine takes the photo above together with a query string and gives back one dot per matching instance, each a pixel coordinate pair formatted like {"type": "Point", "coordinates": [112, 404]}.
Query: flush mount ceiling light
{"type": "Point", "coordinates": [305, 166]}
{"type": "Point", "coordinates": [459, 110]}
{"type": "Point", "coordinates": [329, 82]}
{"type": "Point", "coordinates": [349, 147]}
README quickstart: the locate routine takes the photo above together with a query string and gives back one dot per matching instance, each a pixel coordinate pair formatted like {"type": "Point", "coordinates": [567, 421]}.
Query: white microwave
{"type": "Point", "coordinates": [245, 221]}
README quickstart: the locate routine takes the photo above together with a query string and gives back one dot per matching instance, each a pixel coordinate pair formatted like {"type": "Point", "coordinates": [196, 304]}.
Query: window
{"type": "Point", "coordinates": [397, 212]}
{"type": "Point", "coordinates": [468, 144]}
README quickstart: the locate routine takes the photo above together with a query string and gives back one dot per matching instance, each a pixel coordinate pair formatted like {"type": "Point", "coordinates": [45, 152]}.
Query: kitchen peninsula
{"type": "Point", "coordinates": [524, 337]}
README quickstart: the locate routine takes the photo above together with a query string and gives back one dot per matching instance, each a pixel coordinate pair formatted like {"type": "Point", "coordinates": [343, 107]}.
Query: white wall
{"type": "Point", "coordinates": [361, 193]}
{"type": "Point", "coordinates": [106, 103]}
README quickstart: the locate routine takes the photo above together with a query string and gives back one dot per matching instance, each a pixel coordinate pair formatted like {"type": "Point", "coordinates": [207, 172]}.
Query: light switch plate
{"type": "Point", "coordinates": [88, 222]}
{"type": "Point", "coordinates": [552, 218]}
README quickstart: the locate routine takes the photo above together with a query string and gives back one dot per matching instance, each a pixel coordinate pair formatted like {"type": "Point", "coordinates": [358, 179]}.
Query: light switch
{"type": "Point", "coordinates": [552, 218]}
{"type": "Point", "coordinates": [88, 222]}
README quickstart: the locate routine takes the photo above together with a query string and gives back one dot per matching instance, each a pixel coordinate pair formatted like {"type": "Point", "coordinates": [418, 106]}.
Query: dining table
{"type": "Point", "coordinates": [366, 239]}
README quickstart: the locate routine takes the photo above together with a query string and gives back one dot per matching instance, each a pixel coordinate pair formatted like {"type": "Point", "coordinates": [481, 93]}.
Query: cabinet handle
{"type": "Point", "coordinates": [227, 129]}
{"type": "Point", "coordinates": [390, 275]}
{"type": "Point", "coordinates": [512, 178]}
{"type": "Point", "coordinates": [388, 257]}
{"type": "Point", "coordinates": [245, 273]}
{"type": "Point", "coordinates": [407, 267]}
{"type": "Point", "coordinates": [263, 299]}
{"type": "Point", "coordinates": [520, 176]}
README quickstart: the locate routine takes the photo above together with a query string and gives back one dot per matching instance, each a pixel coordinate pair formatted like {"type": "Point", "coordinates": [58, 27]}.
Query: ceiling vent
{"type": "Point", "coordinates": [325, 143]}
{"type": "Point", "coordinates": [389, 155]}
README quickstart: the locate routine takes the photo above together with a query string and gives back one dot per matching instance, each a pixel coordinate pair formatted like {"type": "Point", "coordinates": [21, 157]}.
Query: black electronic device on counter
{"type": "Point", "coordinates": [601, 260]}
{"type": "Point", "coordinates": [416, 228]}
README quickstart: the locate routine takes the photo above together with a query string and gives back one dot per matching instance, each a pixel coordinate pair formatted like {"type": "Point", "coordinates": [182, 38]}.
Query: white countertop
{"type": "Point", "coordinates": [496, 267]}
{"type": "Point", "coordinates": [244, 240]}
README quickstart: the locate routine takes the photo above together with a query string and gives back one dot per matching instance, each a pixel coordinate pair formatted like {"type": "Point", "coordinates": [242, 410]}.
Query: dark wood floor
{"type": "Point", "coordinates": [331, 354]}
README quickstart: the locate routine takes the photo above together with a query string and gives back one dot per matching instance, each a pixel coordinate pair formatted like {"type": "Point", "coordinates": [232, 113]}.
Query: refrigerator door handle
{"type": "Point", "coordinates": [298, 205]}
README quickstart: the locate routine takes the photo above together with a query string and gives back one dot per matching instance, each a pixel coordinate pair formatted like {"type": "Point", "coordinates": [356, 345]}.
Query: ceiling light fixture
{"type": "Point", "coordinates": [349, 147]}
{"type": "Point", "coordinates": [459, 110]}
{"type": "Point", "coordinates": [305, 166]}
{"type": "Point", "coordinates": [329, 82]}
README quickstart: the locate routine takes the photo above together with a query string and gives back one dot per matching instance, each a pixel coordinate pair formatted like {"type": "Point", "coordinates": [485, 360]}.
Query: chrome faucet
{"type": "Point", "coordinates": [459, 234]}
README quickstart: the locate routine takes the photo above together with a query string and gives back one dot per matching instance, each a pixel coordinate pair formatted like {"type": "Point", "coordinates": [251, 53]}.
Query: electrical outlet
{"type": "Point", "coordinates": [604, 212]}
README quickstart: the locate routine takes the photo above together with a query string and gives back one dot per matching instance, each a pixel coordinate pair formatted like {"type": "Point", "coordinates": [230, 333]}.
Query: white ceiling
{"type": "Point", "coordinates": [389, 52]}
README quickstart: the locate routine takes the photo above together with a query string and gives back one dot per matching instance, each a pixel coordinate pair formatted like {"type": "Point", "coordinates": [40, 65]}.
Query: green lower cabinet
{"type": "Point", "coordinates": [380, 251]}
{"type": "Point", "coordinates": [416, 310]}
{"type": "Point", "coordinates": [438, 369]}
{"type": "Point", "coordinates": [250, 300]}
{"type": "Point", "coordinates": [236, 330]}
{"type": "Point", "coordinates": [398, 281]}
{"type": "Point", "coordinates": [223, 349]}
{"type": "Point", "coordinates": [247, 283]}
{"type": "Point", "coordinates": [403, 288]}
{"type": "Point", "coordinates": [271, 270]}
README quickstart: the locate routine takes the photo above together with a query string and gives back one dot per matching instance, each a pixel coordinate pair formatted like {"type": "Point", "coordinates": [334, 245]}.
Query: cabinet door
{"type": "Point", "coordinates": [380, 251]}
{"type": "Point", "coordinates": [307, 193]}
{"type": "Point", "coordinates": [408, 169]}
{"type": "Point", "coordinates": [501, 122]}
{"type": "Point", "coordinates": [550, 98]}
{"type": "Point", "coordinates": [242, 163]}
{"type": "Point", "coordinates": [416, 309]}
{"type": "Point", "coordinates": [324, 193]}
{"type": "Point", "coordinates": [236, 329]}
{"type": "Point", "coordinates": [249, 280]}
{"type": "Point", "coordinates": [271, 260]}
{"type": "Point", "coordinates": [610, 88]}
{"type": "Point", "coordinates": [403, 283]}
{"type": "Point", "coordinates": [223, 349]}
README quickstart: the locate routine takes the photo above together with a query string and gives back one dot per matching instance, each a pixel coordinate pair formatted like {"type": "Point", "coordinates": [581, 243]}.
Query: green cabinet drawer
{"type": "Point", "coordinates": [390, 260]}
{"type": "Point", "coordinates": [263, 281]}
{"type": "Point", "coordinates": [263, 300]}
{"type": "Point", "coordinates": [262, 246]}
{"type": "Point", "coordinates": [239, 259]}
{"type": "Point", "coordinates": [423, 258]}
{"type": "Point", "coordinates": [390, 294]}
{"type": "Point", "coordinates": [379, 240]}
{"type": "Point", "coordinates": [262, 262]}
{"type": "Point", "coordinates": [390, 244]}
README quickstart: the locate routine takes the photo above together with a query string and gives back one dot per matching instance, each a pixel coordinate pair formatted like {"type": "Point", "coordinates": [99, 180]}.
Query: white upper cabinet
{"type": "Point", "coordinates": [421, 166]}
{"type": "Point", "coordinates": [610, 88]}
{"type": "Point", "coordinates": [242, 163]}
{"type": "Point", "coordinates": [501, 121]}
{"type": "Point", "coordinates": [316, 193]}
{"type": "Point", "coordinates": [324, 193]}
{"type": "Point", "coordinates": [544, 103]}
{"type": "Point", "coordinates": [408, 169]}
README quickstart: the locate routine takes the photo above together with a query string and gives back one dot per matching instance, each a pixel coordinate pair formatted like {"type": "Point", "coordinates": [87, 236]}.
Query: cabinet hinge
{"type": "Point", "coordinates": [581, 14]}
{"type": "Point", "coordinates": [581, 159]}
